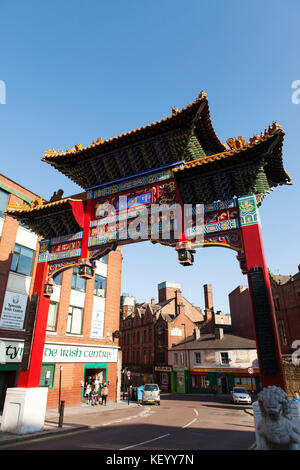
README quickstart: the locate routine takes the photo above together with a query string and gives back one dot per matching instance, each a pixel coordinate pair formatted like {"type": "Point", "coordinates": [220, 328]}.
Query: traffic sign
{"type": "Point", "coordinates": [250, 370]}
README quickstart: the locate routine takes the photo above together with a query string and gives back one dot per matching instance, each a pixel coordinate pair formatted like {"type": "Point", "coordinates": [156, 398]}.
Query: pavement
{"type": "Point", "coordinates": [75, 419]}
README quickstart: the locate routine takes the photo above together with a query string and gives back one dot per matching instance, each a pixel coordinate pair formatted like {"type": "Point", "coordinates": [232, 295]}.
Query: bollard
{"type": "Point", "coordinates": [61, 414]}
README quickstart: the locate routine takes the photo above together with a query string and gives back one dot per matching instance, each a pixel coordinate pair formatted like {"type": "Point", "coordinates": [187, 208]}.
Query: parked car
{"type": "Point", "coordinates": [240, 395]}
{"type": "Point", "coordinates": [151, 394]}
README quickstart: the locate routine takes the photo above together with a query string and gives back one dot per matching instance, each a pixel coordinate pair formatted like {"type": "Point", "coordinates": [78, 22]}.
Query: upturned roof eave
{"type": "Point", "coordinates": [176, 121]}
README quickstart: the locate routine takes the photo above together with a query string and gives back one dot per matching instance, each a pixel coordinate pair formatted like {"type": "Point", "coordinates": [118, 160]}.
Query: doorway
{"type": "Point", "coordinates": [222, 383]}
{"type": "Point", "coordinates": [99, 373]}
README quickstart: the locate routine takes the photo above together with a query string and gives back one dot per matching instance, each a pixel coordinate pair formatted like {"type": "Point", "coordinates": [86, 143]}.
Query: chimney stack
{"type": "Point", "coordinates": [153, 301]}
{"type": "Point", "coordinates": [219, 333]}
{"type": "Point", "coordinates": [208, 296]}
{"type": "Point", "coordinates": [196, 333]}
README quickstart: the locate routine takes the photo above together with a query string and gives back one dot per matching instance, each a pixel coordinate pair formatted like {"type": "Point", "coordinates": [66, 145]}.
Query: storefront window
{"type": "Point", "coordinates": [47, 375]}
{"type": "Point", "coordinates": [200, 381]}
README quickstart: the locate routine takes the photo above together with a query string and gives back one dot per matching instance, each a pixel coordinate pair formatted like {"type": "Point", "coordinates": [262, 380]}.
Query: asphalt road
{"type": "Point", "coordinates": [180, 423]}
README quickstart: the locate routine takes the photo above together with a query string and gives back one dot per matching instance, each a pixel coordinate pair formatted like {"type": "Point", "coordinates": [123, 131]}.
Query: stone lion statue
{"type": "Point", "coordinates": [276, 429]}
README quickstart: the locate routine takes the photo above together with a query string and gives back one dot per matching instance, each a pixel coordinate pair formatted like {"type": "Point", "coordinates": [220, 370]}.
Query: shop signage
{"type": "Point", "coordinates": [97, 324]}
{"type": "Point", "coordinates": [13, 311]}
{"type": "Point", "coordinates": [74, 353]}
{"type": "Point", "coordinates": [233, 370]}
{"type": "Point", "coordinates": [163, 368]}
{"type": "Point", "coordinates": [62, 353]}
{"type": "Point", "coordinates": [176, 332]}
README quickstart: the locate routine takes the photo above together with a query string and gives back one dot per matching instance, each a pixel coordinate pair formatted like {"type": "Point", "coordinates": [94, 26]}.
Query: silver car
{"type": "Point", "coordinates": [240, 395]}
{"type": "Point", "coordinates": [151, 394]}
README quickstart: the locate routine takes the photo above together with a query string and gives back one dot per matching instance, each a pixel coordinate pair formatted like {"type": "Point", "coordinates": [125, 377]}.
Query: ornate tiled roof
{"type": "Point", "coordinates": [252, 167]}
{"type": "Point", "coordinates": [185, 135]}
{"type": "Point", "coordinates": [48, 219]}
{"type": "Point", "coordinates": [178, 118]}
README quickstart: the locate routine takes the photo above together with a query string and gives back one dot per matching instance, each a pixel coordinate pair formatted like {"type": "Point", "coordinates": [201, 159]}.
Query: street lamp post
{"type": "Point", "coordinates": [185, 351]}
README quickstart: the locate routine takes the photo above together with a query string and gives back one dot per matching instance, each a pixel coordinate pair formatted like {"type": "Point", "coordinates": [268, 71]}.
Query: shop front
{"type": "Point", "coordinates": [65, 370]}
{"type": "Point", "coordinates": [179, 380]}
{"type": "Point", "coordinates": [222, 381]}
{"type": "Point", "coordinates": [163, 377]}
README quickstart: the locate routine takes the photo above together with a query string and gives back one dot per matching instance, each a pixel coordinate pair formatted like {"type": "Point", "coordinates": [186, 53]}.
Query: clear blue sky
{"type": "Point", "coordinates": [78, 70]}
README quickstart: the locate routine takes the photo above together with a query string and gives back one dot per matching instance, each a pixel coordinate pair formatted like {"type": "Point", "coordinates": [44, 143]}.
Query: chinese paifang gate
{"type": "Point", "coordinates": [178, 159]}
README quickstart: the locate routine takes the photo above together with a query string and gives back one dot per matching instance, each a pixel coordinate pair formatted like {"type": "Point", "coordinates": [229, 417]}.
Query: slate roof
{"type": "Point", "coordinates": [208, 341]}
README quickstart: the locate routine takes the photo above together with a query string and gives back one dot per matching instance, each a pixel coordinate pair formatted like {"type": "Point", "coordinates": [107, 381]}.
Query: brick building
{"type": "Point", "coordinates": [241, 313]}
{"type": "Point", "coordinates": [149, 329]}
{"type": "Point", "coordinates": [83, 314]}
{"type": "Point", "coordinates": [286, 298]}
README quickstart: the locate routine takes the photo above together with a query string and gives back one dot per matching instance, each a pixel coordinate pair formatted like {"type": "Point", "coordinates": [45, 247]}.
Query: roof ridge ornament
{"type": "Point", "coordinates": [236, 144]}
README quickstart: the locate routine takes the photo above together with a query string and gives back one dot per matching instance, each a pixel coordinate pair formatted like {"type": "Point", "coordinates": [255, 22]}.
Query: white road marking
{"type": "Point", "coordinates": [188, 424]}
{"type": "Point", "coordinates": [144, 414]}
{"type": "Point", "coordinates": [145, 442]}
{"type": "Point", "coordinates": [196, 412]}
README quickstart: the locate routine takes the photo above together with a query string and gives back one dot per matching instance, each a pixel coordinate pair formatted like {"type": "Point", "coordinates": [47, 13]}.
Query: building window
{"type": "Point", "coordinates": [160, 357]}
{"type": "Point", "coordinates": [57, 279]}
{"type": "Point", "coordinates": [224, 358]}
{"type": "Point", "coordinates": [99, 287]}
{"type": "Point", "coordinates": [175, 358]}
{"type": "Point", "coordinates": [182, 358]}
{"type": "Point", "coordinates": [4, 196]}
{"type": "Point", "coordinates": [74, 320]}
{"type": "Point", "coordinates": [197, 358]}
{"type": "Point", "coordinates": [145, 336]}
{"type": "Point", "coordinates": [276, 303]}
{"type": "Point", "coordinates": [78, 283]}
{"type": "Point", "coordinates": [47, 375]}
{"type": "Point", "coordinates": [52, 316]}
{"type": "Point", "coordinates": [282, 333]}
{"type": "Point", "coordinates": [150, 335]}
{"type": "Point", "coordinates": [22, 260]}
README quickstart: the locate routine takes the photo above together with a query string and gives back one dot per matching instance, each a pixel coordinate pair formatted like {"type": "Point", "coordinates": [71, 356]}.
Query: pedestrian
{"type": "Point", "coordinates": [296, 396]}
{"type": "Point", "coordinates": [96, 385]}
{"type": "Point", "coordinates": [104, 393]}
{"type": "Point", "coordinates": [94, 396]}
{"type": "Point", "coordinates": [88, 390]}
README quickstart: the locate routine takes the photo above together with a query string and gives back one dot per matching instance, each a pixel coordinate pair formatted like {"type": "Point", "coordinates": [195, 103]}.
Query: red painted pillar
{"type": "Point", "coordinates": [267, 338]}
{"type": "Point", "coordinates": [89, 209]}
{"type": "Point", "coordinates": [31, 377]}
